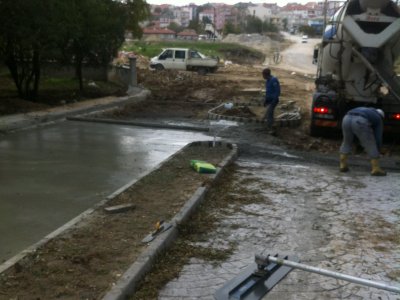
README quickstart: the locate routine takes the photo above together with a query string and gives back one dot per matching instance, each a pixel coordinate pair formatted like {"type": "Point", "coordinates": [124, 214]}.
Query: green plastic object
{"type": "Point", "coordinates": [203, 167]}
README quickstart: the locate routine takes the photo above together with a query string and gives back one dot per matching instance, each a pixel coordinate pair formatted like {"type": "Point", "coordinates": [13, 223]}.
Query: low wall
{"type": "Point", "coordinates": [60, 71]}
{"type": "Point", "coordinates": [119, 75]}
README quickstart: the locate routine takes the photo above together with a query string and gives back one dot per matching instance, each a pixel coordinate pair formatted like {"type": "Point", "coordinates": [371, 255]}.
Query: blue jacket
{"type": "Point", "coordinates": [272, 88]}
{"type": "Point", "coordinates": [374, 118]}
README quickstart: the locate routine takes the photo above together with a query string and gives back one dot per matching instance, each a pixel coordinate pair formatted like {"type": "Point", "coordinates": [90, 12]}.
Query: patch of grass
{"type": "Point", "coordinates": [69, 82]}
{"type": "Point", "coordinates": [52, 92]}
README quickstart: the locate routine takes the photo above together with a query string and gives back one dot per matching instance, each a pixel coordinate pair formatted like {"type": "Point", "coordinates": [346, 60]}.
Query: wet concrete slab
{"type": "Point", "coordinates": [51, 174]}
{"type": "Point", "coordinates": [341, 222]}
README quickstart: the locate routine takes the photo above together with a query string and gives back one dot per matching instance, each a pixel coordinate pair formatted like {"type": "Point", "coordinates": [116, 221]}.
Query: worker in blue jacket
{"type": "Point", "coordinates": [272, 93]}
{"type": "Point", "coordinates": [366, 123]}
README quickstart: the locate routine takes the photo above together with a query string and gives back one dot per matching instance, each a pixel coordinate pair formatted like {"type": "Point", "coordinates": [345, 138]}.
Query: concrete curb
{"type": "Point", "coordinates": [35, 119]}
{"type": "Point", "coordinates": [283, 120]}
{"type": "Point", "coordinates": [127, 284]}
{"type": "Point", "coordinates": [141, 124]}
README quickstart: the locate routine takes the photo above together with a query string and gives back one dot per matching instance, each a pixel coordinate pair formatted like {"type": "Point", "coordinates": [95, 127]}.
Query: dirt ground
{"type": "Point", "coordinates": [186, 95]}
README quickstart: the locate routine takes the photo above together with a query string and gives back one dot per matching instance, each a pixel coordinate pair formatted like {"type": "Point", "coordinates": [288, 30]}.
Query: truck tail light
{"type": "Point", "coordinates": [395, 116]}
{"type": "Point", "coordinates": [322, 110]}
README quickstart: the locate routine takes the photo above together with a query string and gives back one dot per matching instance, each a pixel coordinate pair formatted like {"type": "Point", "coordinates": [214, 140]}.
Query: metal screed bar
{"type": "Point", "coordinates": [366, 282]}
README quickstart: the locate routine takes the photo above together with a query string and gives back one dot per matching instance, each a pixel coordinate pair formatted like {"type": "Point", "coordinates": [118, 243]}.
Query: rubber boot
{"type": "Point", "coordinates": [376, 169]}
{"type": "Point", "coordinates": [343, 163]}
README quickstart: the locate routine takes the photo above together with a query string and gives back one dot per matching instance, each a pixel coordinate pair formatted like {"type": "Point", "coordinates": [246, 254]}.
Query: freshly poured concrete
{"type": "Point", "coordinates": [50, 175]}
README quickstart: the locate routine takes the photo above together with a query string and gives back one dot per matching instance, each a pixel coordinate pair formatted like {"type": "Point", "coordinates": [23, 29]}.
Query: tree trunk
{"type": "Point", "coordinates": [79, 73]}
{"type": "Point", "coordinates": [36, 74]}
{"type": "Point", "coordinates": [13, 68]}
{"type": "Point", "coordinates": [25, 73]}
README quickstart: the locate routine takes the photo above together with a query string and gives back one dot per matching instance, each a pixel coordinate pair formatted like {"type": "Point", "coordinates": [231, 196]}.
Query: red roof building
{"type": "Point", "coordinates": [188, 34]}
{"type": "Point", "coordinates": [161, 33]}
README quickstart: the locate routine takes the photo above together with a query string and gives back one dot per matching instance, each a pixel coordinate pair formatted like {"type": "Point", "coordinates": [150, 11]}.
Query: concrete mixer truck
{"type": "Point", "coordinates": [356, 60]}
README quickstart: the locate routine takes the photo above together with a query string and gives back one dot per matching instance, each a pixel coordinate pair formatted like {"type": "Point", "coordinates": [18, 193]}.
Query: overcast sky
{"type": "Point", "coordinates": [200, 2]}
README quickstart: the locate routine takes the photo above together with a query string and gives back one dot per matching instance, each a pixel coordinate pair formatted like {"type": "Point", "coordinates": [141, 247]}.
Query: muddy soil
{"type": "Point", "coordinates": [187, 95]}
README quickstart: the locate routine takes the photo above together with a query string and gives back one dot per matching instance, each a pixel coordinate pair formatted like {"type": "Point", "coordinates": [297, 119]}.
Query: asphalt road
{"type": "Point", "coordinates": [298, 57]}
{"type": "Point", "coordinates": [50, 175]}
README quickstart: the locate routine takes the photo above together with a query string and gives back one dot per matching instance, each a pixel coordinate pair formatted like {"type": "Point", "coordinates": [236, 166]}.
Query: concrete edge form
{"type": "Point", "coordinates": [129, 280]}
{"type": "Point", "coordinates": [34, 119]}
{"type": "Point", "coordinates": [141, 124]}
{"type": "Point", "coordinates": [293, 119]}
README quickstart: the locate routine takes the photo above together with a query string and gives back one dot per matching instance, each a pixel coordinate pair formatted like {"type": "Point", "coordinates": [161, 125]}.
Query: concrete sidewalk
{"type": "Point", "coordinates": [22, 121]}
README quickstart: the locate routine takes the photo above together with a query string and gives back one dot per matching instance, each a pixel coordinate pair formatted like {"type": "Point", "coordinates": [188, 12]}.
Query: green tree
{"type": "Point", "coordinates": [307, 30]}
{"type": "Point", "coordinates": [138, 11]}
{"type": "Point", "coordinates": [267, 26]}
{"type": "Point", "coordinates": [285, 24]}
{"type": "Point", "coordinates": [94, 30]}
{"type": "Point", "coordinates": [68, 31]}
{"type": "Point", "coordinates": [196, 26]}
{"type": "Point", "coordinates": [253, 24]}
{"type": "Point", "coordinates": [230, 28]}
{"type": "Point", "coordinates": [26, 33]}
{"type": "Point", "coordinates": [241, 14]}
{"type": "Point", "coordinates": [175, 27]}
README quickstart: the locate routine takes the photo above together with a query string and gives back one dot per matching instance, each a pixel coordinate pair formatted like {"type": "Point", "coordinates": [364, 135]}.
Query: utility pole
{"type": "Point", "coordinates": [215, 23]}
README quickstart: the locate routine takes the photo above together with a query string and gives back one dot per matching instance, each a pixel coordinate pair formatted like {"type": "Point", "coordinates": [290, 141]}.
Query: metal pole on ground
{"type": "Point", "coordinates": [336, 275]}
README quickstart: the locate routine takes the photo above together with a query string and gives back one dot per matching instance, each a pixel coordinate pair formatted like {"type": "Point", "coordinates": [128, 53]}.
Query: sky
{"type": "Point", "coordinates": [231, 2]}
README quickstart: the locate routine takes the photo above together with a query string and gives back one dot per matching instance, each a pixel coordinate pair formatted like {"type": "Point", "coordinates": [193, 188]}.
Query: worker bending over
{"type": "Point", "coordinates": [366, 124]}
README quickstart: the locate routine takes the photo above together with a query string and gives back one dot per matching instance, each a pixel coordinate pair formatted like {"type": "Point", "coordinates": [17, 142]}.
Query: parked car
{"type": "Point", "coordinates": [184, 59]}
{"type": "Point", "coordinates": [304, 39]}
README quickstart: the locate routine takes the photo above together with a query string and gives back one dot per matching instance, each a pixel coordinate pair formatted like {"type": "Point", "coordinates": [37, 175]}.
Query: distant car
{"type": "Point", "coordinates": [184, 59]}
{"type": "Point", "coordinates": [304, 39]}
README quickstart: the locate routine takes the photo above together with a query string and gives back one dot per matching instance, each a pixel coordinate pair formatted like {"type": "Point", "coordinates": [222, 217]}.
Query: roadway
{"type": "Point", "coordinates": [298, 57]}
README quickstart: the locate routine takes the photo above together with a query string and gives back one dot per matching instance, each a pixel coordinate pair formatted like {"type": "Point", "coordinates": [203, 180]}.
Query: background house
{"type": "Point", "coordinates": [158, 33]}
{"type": "Point", "coordinates": [188, 34]}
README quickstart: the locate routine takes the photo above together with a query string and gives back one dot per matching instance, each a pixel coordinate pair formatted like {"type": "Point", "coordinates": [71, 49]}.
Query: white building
{"type": "Point", "coordinates": [209, 13]}
{"type": "Point", "coordinates": [260, 10]}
